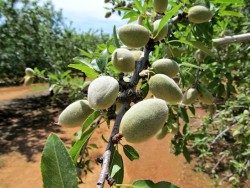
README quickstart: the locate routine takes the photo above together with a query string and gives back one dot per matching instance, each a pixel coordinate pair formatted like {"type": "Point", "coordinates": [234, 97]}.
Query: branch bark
{"type": "Point", "coordinates": [125, 106]}
{"type": "Point", "coordinates": [231, 39]}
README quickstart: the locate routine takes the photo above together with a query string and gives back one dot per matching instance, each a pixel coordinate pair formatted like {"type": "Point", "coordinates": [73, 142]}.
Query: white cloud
{"type": "Point", "coordinates": [88, 14]}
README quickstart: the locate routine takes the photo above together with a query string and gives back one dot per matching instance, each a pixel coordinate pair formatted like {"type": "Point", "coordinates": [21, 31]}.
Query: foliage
{"type": "Point", "coordinates": [226, 137]}
{"type": "Point", "coordinates": [35, 35]}
{"type": "Point", "coordinates": [223, 73]}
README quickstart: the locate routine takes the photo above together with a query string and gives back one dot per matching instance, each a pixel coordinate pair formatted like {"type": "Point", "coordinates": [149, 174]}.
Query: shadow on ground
{"type": "Point", "coordinates": [26, 123]}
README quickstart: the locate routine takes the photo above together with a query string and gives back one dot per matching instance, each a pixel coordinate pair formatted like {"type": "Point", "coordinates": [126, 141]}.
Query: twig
{"type": "Point", "coordinates": [222, 133]}
{"type": "Point", "coordinates": [125, 106]}
{"type": "Point", "coordinates": [226, 177]}
{"type": "Point", "coordinates": [231, 39]}
{"type": "Point", "coordinates": [219, 161]}
{"type": "Point", "coordinates": [140, 65]}
{"type": "Point", "coordinates": [105, 168]}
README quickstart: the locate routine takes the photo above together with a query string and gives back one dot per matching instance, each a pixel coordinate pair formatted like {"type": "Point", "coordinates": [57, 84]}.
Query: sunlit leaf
{"type": "Point", "coordinates": [91, 73]}
{"type": "Point", "coordinates": [167, 17]}
{"type": "Point", "coordinates": [143, 184]}
{"type": "Point", "coordinates": [130, 14]}
{"type": "Point", "coordinates": [85, 53]}
{"type": "Point", "coordinates": [116, 167]}
{"type": "Point", "coordinates": [117, 44]}
{"type": "Point", "coordinates": [57, 166]}
{"type": "Point", "coordinates": [76, 149]}
{"type": "Point", "coordinates": [103, 59]}
{"type": "Point", "coordinates": [231, 13]}
{"type": "Point", "coordinates": [229, 1]}
{"type": "Point", "coordinates": [138, 5]}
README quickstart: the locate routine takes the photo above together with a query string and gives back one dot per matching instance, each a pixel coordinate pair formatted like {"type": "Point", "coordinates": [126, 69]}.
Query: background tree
{"type": "Point", "coordinates": [35, 35]}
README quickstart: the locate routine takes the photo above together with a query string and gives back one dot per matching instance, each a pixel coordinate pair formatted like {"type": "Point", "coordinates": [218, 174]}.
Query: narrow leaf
{"type": "Point", "coordinates": [90, 73]}
{"type": "Point", "coordinates": [190, 65]}
{"type": "Point", "coordinates": [130, 14]}
{"type": "Point", "coordinates": [75, 150]}
{"type": "Point", "coordinates": [138, 5]}
{"type": "Point", "coordinates": [201, 46]}
{"type": "Point", "coordinates": [186, 154]}
{"type": "Point", "coordinates": [183, 114]}
{"type": "Point", "coordinates": [81, 60]}
{"type": "Point", "coordinates": [145, 89]}
{"type": "Point", "coordinates": [57, 166]}
{"type": "Point", "coordinates": [117, 44]}
{"type": "Point", "coordinates": [84, 53]}
{"type": "Point", "coordinates": [103, 59]}
{"type": "Point", "coordinates": [90, 120]}
{"type": "Point", "coordinates": [167, 17]}
{"type": "Point", "coordinates": [116, 161]}
{"type": "Point", "coordinates": [130, 152]}
{"type": "Point", "coordinates": [229, 1]}
{"type": "Point", "coordinates": [231, 13]}
{"type": "Point", "coordinates": [192, 109]}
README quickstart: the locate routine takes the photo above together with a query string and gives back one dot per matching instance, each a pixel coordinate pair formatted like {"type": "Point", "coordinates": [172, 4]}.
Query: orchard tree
{"type": "Point", "coordinates": [145, 80]}
{"type": "Point", "coordinates": [35, 35]}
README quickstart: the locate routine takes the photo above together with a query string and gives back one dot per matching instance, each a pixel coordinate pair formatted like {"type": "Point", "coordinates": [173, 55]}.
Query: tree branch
{"type": "Point", "coordinates": [231, 39]}
{"type": "Point", "coordinates": [125, 106]}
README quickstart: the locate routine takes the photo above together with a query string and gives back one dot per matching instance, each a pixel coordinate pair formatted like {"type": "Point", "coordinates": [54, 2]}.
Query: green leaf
{"type": "Point", "coordinates": [90, 120]}
{"type": "Point", "coordinates": [138, 5]}
{"type": "Point", "coordinates": [144, 89]}
{"type": "Point", "coordinates": [117, 44]}
{"type": "Point", "coordinates": [114, 170]}
{"type": "Point", "coordinates": [192, 109]}
{"type": "Point", "coordinates": [201, 46]}
{"type": "Point", "coordinates": [84, 53]}
{"type": "Point", "coordinates": [221, 89]}
{"type": "Point", "coordinates": [183, 113]}
{"type": "Point", "coordinates": [57, 166]}
{"type": "Point", "coordinates": [116, 161]}
{"type": "Point", "coordinates": [75, 150]}
{"type": "Point", "coordinates": [104, 139]}
{"type": "Point", "coordinates": [101, 46]}
{"type": "Point", "coordinates": [143, 184]}
{"type": "Point", "coordinates": [90, 72]}
{"type": "Point", "coordinates": [231, 13]}
{"type": "Point", "coordinates": [164, 184]}
{"type": "Point", "coordinates": [229, 1]}
{"type": "Point", "coordinates": [81, 60]}
{"type": "Point", "coordinates": [167, 17]}
{"type": "Point", "coordinates": [231, 88]}
{"type": "Point", "coordinates": [195, 44]}
{"type": "Point", "coordinates": [94, 65]}
{"type": "Point", "coordinates": [190, 65]}
{"type": "Point", "coordinates": [103, 59]}
{"type": "Point", "coordinates": [186, 154]}
{"type": "Point", "coordinates": [130, 152]}
{"type": "Point", "coordinates": [130, 14]}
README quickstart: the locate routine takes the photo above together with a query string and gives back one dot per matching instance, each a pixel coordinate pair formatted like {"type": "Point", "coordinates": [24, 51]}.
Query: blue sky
{"type": "Point", "coordinates": [88, 14]}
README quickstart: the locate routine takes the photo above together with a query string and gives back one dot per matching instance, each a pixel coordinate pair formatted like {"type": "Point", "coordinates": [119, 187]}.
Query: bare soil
{"type": "Point", "coordinates": [27, 116]}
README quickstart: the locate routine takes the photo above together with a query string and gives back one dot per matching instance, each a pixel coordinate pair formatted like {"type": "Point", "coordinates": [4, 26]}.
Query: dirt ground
{"type": "Point", "coordinates": [27, 116]}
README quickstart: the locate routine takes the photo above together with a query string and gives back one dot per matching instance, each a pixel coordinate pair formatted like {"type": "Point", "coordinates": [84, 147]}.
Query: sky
{"type": "Point", "coordinates": [88, 14]}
